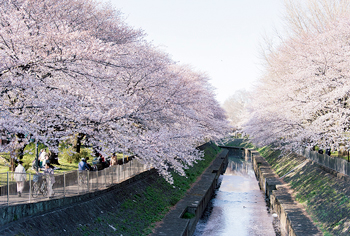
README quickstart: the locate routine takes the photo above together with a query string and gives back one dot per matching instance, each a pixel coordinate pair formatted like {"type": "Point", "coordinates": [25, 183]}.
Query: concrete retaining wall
{"type": "Point", "coordinates": [16, 212]}
{"type": "Point", "coordinates": [292, 218]}
{"type": "Point", "coordinates": [335, 163]}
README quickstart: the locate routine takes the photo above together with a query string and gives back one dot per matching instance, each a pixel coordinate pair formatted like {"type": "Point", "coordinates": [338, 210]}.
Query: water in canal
{"type": "Point", "coordinates": [238, 206]}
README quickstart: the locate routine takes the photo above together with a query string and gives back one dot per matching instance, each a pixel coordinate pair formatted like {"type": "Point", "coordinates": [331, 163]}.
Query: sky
{"type": "Point", "coordinates": [221, 38]}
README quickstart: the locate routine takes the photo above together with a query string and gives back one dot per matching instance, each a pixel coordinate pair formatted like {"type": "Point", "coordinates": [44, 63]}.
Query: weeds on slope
{"type": "Point", "coordinates": [138, 214]}
{"type": "Point", "coordinates": [324, 196]}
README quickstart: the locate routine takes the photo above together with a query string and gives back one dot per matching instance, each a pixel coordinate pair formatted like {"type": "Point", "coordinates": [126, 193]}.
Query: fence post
{"type": "Point", "coordinates": [118, 173]}
{"type": "Point", "coordinates": [111, 174]}
{"type": "Point", "coordinates": [130, 169]}
{"type": "Point", "coordinates": [78, 181]}
{"type": "Point", "coordinates": [64, 184]}
{"type": "Point", "coordinates": [88, 180]}
{"type": "Point", "coordinates": [123, 171]}
{"type": "Point", "coordinates": [8, 187]}
{"type": "Point", "coordinates": [105, 170]}
{"type": "Point", "coordinates": [97, 178]}
{"type": "Point", "coordinates": [30, 187]}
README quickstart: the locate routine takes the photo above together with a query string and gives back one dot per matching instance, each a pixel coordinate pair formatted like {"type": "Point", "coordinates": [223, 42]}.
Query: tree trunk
{"type": "Point", "coordinates": [53, 158]}
{"type": "Point", "coordinates": [20, 151]}
{"type": "Point", "coordinates": [77, 142]}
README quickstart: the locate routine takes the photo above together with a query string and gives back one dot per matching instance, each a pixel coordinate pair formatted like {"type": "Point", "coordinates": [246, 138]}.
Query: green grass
{"type": "Point", "coordinates": [245, 143]}
{"type": "Point", "coordinates": [65, 158]}
{"type": "Point", "coordinates": [324, 196]}
{"type": "Point", "coordinates": [138, 214]}
{"type": "Point", "coordinates": [29, 156]}
{"type": "Point", "coordinates": [188, 215]}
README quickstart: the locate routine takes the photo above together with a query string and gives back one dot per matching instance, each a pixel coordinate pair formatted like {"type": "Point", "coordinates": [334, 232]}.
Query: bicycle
{"type": "Point", "coordinates": [39, 186]}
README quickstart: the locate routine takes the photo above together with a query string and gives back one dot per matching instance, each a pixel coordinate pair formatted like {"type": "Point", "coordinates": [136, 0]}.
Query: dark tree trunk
{"type": "Point", "coordinates": [77, 142]}
{"type": "Point", "coordinates": [53, 158]}
{"type": "Point", "coordinates": [20, 152]}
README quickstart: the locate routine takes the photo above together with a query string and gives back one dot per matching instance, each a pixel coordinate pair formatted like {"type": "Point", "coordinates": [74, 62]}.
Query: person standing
{"type": "Point", "coordinates": [20, 177]}
{"type": "Point", "coordinates": [114, 160]}
{"type": "Point", "coordinates": [42, 158]}
{"type": "Point", "coordinates": [50, 178]}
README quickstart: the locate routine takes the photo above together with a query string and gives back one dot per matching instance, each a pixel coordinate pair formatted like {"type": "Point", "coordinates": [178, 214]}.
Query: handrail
{"type": "Point", "coordinates": [70, 183]}
{"type": "Point", "coordinates": [338, 164]}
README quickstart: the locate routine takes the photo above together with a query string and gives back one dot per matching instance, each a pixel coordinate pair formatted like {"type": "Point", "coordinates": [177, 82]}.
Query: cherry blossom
{"type": "Point", "coordinates": [75, 67]}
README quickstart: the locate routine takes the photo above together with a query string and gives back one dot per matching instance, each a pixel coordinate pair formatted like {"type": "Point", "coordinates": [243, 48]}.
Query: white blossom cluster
{"type": "Point", "coordinates": [303, 98]}
{"type": "Point", "coordinates": [69, 67]}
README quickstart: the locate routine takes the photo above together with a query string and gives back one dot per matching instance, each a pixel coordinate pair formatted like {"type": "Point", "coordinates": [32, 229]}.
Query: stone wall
{"type": "Point", "coordinates": [292, 217]}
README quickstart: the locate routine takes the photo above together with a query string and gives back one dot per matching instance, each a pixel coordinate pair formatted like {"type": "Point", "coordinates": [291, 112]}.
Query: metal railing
{"type": "Point", "coordinates": [41, 187]}
{"type": "Point", "coordinates": [338, 164]}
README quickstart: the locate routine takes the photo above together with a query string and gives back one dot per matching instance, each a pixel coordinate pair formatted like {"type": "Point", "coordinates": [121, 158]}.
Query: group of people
{"type": "Point", "coordinates": [84, 165]}
{"type": "Point", "coordinates": [320, 151]}
{"type": "Point", "coordinates": [21, 176]}
{"type": "Point", "coordinates": [44, 162]}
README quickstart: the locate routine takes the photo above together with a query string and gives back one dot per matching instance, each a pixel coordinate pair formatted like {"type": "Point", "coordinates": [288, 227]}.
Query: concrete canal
{"type": "Point", "coordinates": [238, 206]}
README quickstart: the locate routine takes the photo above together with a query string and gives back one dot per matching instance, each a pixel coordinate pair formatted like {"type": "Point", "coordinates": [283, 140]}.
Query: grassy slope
{"type": "Point", "coordinates": [325, 197]}
{"type": "Point", "coordinates": [138, 214]}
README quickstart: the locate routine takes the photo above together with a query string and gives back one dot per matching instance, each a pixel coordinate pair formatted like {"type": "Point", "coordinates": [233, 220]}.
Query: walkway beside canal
{"type": "Point", "coordinates": [67, 190]}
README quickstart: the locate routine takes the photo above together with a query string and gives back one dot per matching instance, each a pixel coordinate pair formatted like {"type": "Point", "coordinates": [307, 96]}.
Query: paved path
{"type": "Point", "coordinates": [103, 181]}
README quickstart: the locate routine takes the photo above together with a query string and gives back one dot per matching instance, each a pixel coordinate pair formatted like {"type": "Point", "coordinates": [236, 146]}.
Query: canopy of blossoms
{"type": "Point", "coordinates": [302, 100]}
{"type": "Point", "coordinates": [69, 67]}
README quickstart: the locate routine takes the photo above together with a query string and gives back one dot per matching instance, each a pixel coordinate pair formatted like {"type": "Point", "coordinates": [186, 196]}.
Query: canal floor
{"type": "Point", "coordinates": [239, 206]}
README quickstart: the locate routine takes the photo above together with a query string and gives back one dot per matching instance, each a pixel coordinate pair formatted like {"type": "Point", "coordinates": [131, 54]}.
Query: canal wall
{"type": "Point", "coordinates": [175, 223]}
{"type": "Point", "coordinates": [323, 192]}
{"type": "Point", "coordinates": [294, 221]}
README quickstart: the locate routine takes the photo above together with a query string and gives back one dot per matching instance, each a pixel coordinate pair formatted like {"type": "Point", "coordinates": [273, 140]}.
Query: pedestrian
{"type": "Point", "coordinates": [83, 165]}
{"type": "Point", "coordinates": [50, 178]}
{"type": "Point", "coordinates": [113, 160]}
{"type": "Point", "coordinates": [46, 160]}
{"type": "Point", "coordinates": [87, 163]}
{"type": "Point", "coordinates": [20, 177]}
{"type": "Point", "coordinates": [42, 158]}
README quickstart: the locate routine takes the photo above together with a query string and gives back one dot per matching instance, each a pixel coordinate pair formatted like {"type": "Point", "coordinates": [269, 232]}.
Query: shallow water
{"type": "Point", "coordinates": [239, 206]}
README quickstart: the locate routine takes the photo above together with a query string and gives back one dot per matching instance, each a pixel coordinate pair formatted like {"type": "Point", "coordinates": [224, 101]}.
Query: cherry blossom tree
{"type": "Point", "coordinates": [75, 67]}
{"type": "Point", "coordinates": [302, 98]}
{"type": "Point", "coordinates": [235, 107]}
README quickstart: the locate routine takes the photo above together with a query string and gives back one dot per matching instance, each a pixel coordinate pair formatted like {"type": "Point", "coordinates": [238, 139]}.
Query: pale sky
{"type": "Point", "coordinates": [219, 37]}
